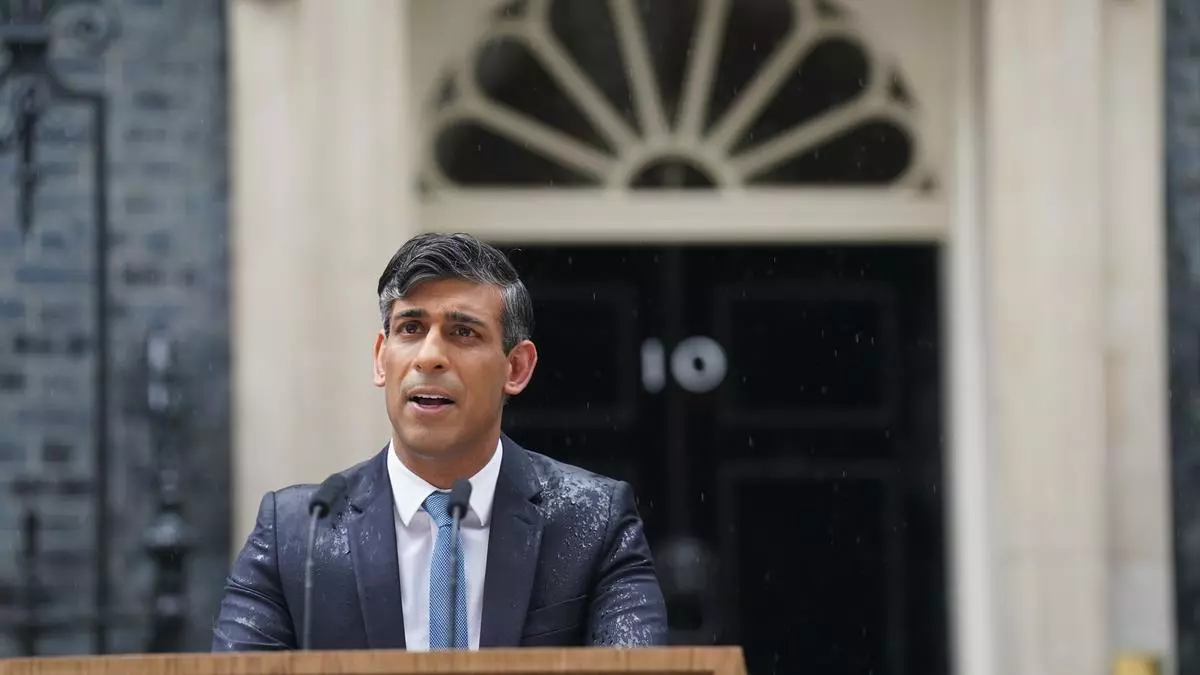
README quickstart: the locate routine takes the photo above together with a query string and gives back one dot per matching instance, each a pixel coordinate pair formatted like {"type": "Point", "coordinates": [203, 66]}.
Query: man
{"type": "Point", "coordinates": [551, 555]}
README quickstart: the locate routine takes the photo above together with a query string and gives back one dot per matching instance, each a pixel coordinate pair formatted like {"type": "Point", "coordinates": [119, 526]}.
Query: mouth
{"type": "Point", "coordinates": [430, 400]}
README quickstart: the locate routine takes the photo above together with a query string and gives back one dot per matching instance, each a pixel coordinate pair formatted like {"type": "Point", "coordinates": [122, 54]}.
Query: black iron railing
{"type": "Point", "coordinates": [30, 33]}
{"type": "Point", "coordinates": [167, 540]}
{"type": "Point", "coordinates": [26, 40]}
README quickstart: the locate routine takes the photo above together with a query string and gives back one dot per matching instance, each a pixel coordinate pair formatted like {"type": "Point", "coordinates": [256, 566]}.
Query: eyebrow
{"type": "Point", "coordinates": [418, 313]}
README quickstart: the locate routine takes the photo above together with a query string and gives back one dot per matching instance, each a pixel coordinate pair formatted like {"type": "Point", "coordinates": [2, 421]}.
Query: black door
{"type": "Point", "coordinates": [777, 410]}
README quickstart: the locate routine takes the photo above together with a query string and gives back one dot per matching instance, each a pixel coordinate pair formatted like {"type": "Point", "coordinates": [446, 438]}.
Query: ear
{"type": "Point", "coordinates": [380, 343]}
{"type": "Point", "coordinates": [521, 362]}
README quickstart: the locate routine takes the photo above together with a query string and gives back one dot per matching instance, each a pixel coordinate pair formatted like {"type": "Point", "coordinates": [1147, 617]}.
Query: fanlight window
{"type": "Point", "coordinates": [700, 93]}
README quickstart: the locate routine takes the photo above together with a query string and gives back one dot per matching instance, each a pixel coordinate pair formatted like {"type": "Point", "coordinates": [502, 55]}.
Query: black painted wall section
{"type": "Point", "coordinates": [163, 72]}
{"type": "Point", "coordinates": [1183, 254]}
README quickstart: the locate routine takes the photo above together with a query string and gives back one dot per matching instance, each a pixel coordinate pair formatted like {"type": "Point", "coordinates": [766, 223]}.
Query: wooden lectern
{"type": "Point", "coordinates": [577, 661]}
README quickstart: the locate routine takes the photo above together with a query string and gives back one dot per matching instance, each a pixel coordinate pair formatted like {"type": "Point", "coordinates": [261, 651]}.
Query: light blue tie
{"type": "Point", "coordinates": [439, 580]}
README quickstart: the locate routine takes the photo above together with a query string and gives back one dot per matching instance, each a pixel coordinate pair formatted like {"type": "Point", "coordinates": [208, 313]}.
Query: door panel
{"type": "Point", "coordinates": [778, 407]}
{"type": "Point", "coordinates": [819, 595]}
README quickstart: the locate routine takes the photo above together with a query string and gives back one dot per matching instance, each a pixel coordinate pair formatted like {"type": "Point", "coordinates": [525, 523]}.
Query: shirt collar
{"type": "Point", "coordinates": [410, 490]}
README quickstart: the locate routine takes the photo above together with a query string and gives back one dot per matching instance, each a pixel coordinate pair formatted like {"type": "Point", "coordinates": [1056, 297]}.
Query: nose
{"type": "Point", "coordinates": [432, 355]}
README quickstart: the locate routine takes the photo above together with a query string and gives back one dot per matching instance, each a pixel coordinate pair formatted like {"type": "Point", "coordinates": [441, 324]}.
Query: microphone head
{"type": "Point", "coordinates": [460, 497]}
{"type": "Point", "coordinates": [328, 493]}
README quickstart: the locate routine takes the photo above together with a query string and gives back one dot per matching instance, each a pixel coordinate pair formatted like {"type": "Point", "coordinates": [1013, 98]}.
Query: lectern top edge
{"type": "Point", "coordinates": [528, 661]}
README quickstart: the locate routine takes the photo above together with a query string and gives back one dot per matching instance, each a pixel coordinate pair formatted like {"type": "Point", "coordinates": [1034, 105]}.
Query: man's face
{"type": "Point", "coordinates": [443, 367]}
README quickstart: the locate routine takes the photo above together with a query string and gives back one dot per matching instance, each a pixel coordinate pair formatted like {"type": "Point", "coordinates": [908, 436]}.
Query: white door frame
{"type": "Point", "coordinates": [951, 218]}
{"type": "Point", "coordinates": [322, 144]}
{"type": "Point", "coordinates": [798, 216]}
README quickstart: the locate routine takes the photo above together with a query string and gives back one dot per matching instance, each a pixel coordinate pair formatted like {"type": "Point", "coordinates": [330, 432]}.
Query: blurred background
{"type": "Point", "coordinates": [889, 310]}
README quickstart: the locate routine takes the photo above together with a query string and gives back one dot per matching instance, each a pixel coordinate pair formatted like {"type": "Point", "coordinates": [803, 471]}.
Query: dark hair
{"type": "Point", "coordinates": [458, 256]}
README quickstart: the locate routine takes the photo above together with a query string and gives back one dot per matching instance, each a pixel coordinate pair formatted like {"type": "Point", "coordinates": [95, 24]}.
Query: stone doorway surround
{"type": "Point", "coordinates": [1053, 226]}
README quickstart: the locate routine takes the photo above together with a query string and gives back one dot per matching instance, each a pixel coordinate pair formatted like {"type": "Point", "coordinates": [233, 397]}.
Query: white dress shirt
{"type": "Point", "coordinates": [415, 536]}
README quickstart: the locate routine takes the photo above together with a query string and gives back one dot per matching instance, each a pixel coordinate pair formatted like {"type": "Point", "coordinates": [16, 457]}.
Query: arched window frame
{"type": "Point", "coordinates": [911, 208]}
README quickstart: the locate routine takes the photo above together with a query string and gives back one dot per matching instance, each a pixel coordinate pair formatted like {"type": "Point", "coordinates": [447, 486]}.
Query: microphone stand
{"type": "Point", "coordinates": [319, 506]}
{"type": "Point", "coordinates": [460, 496]}
{"type": "Point", "coordinates": [454, 578]}
{"type": "Point", "coordinates": [308, 578]}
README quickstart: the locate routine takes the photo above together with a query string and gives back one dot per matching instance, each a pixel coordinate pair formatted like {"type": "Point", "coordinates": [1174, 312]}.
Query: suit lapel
{"type": "Point", "coordinates": [516, 536]}
{"type": "Point", "coordinates": [372, 529]}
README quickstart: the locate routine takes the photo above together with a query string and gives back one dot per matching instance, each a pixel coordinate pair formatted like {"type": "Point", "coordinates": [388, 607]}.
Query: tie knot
{"type": "Point", "coordinates": [437, 504]}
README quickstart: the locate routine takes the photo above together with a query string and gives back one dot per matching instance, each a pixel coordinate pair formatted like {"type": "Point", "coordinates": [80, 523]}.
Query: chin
{"type": "Point", "coordinates": [428, 442]}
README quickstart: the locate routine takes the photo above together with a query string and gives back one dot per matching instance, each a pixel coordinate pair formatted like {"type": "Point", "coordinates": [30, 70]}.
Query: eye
{"type": "Point", "coordinates": [409, 327]}
{"type": "Point", "coordinates": [464, 331]}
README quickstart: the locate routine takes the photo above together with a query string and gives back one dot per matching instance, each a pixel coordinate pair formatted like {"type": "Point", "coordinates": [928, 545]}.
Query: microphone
{"type": "Point", "coordinates": [460, 497]}
{"type": "Point", "coordinates": [318, 507]}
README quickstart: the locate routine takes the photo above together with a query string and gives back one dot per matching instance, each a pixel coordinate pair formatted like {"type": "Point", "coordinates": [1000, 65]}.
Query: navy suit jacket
{"type": "Point", "coordinates": [568, 565]}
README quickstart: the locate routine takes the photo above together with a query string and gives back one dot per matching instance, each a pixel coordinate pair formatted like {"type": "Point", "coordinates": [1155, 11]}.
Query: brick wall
{"type": "Point", "coordinates": [163, 72]}
{"type": "Point", "coordinates": [1183, 208]}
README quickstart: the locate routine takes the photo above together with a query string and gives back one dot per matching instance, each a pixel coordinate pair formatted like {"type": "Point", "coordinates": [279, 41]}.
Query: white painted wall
{"type": "Point", "coordinates": [320, 172]}
{"type": "Point", "coordinates": [1141, 584]}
